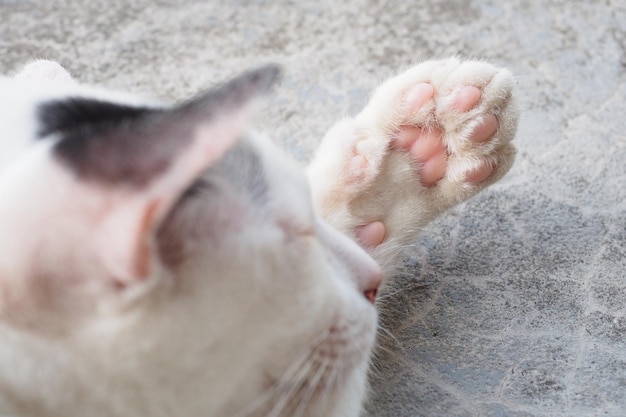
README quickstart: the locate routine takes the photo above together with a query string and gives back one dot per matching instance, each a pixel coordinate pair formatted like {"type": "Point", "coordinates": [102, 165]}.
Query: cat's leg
{"type": "Point", "coordinates": [429, 138]}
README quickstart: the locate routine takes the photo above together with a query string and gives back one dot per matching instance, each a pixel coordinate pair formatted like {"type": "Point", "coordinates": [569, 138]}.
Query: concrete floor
{"type": "Point", "coordinates": [513, 304]}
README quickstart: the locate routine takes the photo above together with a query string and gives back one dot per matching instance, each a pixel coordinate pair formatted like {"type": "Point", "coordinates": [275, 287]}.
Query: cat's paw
{"type": "Point", "coordinates": [429, 138]}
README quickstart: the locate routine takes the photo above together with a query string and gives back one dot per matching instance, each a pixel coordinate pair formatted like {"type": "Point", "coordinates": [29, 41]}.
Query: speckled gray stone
{"type": "Point", "coordinates": [512, 305]}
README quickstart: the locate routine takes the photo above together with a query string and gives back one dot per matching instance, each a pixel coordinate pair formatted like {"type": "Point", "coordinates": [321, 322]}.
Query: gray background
{"type": "Point", "coordinates": [513, 304]}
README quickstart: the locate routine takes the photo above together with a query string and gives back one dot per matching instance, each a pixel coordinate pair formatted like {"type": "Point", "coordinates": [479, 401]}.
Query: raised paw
{"type": "Point", "coordinates": [427, 148]}
{"type": "Point", "coordinates": [429, 139]}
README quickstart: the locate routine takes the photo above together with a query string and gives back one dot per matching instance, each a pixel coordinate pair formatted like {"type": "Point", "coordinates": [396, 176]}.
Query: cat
{"type": "Point", "coordinates": [166, 260]}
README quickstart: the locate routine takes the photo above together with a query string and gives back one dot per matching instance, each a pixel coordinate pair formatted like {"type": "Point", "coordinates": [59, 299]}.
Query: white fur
{"type": "Point", "coordinates": [264, 316]}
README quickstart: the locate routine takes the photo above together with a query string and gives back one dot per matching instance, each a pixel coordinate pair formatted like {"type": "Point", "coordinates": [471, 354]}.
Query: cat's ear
{"type": "Point", "coordinates": [43, 69]}
{"type": "Point", "coordinates": [144, 159]}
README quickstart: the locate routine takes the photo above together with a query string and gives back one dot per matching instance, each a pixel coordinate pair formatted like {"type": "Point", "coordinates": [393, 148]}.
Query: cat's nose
{"type": "Point", "coordinates": [372, 283]}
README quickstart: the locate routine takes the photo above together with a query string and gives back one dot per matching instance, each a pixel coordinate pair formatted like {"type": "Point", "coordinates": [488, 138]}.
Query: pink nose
{"type": "Point", "coordinates": [372, 284]}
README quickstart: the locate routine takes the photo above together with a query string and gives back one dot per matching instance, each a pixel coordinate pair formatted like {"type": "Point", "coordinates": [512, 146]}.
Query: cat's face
{"type": "Point", "coordinates": [162, 261]}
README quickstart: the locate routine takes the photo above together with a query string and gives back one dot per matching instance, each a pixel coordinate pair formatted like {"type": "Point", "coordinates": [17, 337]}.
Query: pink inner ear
{"type": "Point", "coordinates": [44, 70]}
{"type": "Point", "coordinates": [144, 241]}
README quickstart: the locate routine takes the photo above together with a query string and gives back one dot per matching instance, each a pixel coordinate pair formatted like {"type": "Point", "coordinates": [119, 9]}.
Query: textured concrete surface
{"type": "Point", "coordinates": [514, 304]}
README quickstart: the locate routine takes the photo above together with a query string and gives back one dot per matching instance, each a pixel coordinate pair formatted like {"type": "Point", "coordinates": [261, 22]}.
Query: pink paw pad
{"type": "Point", "coordinates": [466, 98]}
{"type": "Point", "coordinates": [426, 146]}
{"type": "Point", "coordinates": [371, 235]}
{"type": "Point", "coordinates": [417, 96]}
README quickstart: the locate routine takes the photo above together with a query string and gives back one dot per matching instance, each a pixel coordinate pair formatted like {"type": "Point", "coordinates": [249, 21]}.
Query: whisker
{"type": "Point", "coordinates": [283, 400]}
{"type": "Point", "coordinates": [294, 368]}
{"type": "Point", "coordinates": [312, 386]}
{"type": "Point", "coordinates": [294, 382]}
{"type": "Point", "coordinates": [332, 382]}
{"type": "Point", "coordinates": [391, 336]}
{"type": "Point", "coordinates": [269, 393]}
{"type": "Point", "coordinates": [386, 294]}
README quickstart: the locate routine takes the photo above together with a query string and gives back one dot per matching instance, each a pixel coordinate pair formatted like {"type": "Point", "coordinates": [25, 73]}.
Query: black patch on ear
{"type": "Point", "coordinates": [133, 151]}
{"type": "Point", "coordinates": [120, 144]}
{"type": "Point", "coordinates": [85, 115]}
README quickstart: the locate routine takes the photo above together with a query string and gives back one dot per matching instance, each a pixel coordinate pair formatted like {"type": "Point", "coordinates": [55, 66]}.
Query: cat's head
{"type": "Point", "coordinates": [164, 261]}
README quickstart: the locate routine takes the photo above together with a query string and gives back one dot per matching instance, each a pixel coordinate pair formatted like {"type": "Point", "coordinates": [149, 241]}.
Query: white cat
{"type": "Point", "coordinates": [166, 261]}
